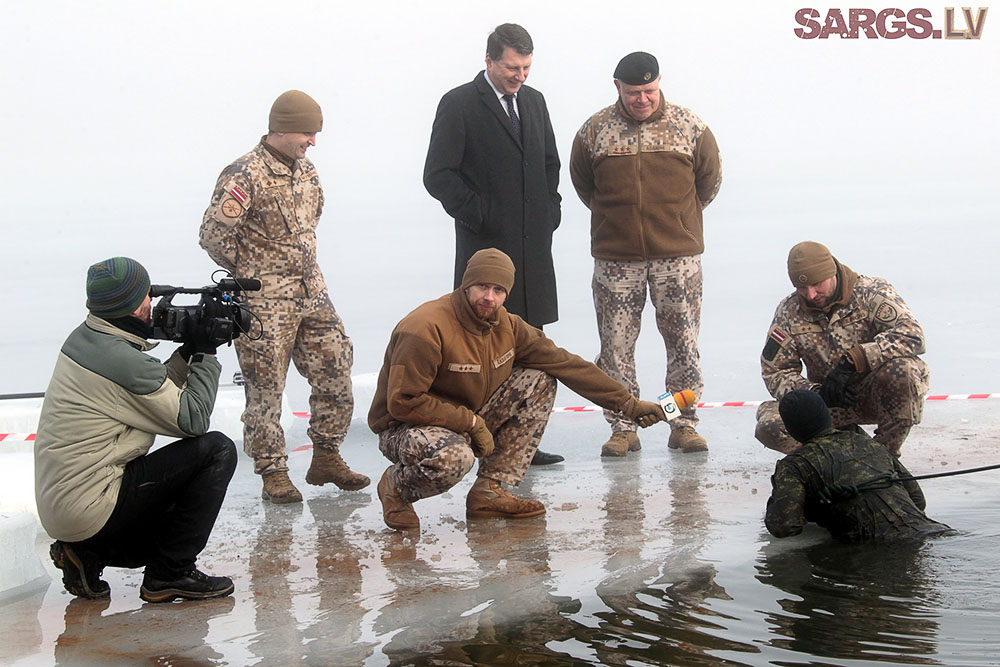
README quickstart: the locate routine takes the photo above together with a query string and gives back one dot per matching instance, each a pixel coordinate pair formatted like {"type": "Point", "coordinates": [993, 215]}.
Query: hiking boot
{"type": "Point", "coordinates": [81, 571]}
{"type": "Point", "coordinates": [397, 513]}
{"type": "Point", "coordinates": [621, 443]}
{"type": "Point", "coordinates": [192, 585]}
{"type": "Point", "coordinates": [328, 466]}
{"type": "Point", "coordinates": [488, 499]}
{"type": "Point", "coordinates": [279, 489]}
{"type": "Point", "coordinates": [686, 439]}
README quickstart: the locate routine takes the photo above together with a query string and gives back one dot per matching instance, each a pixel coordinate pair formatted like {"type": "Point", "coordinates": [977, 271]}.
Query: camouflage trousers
{"type": "Point", "coordinates": [310, 333]}
{"type": "Point", "coordinates": [432, 459]}
{"type": "Point", "coordinates": [675, 287]}
{"type": "Point", "coordinates": [890, 396]}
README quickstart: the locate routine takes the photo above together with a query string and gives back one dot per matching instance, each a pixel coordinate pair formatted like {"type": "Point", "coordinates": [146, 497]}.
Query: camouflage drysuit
{"type": "Point", "coordinates": [262, 224]}
{"type": "Point", "coordinates": [646, 184]}
{"type": "Point", "coordinates": [869, 322]}
{"type": "Point", "coordinates": [846, 458]}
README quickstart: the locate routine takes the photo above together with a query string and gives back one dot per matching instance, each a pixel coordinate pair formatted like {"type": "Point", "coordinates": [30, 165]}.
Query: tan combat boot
{"type": "Point", "coordinates": [621, 443]}
{"type": "Point", "coordinates": [396, 512]}
{"type": "Point", "coordinates": [279, 489]}
{"type": "Point", "coordinates": [328, 466]}
{"type": "Point", "coordinates": [686, 439]}
{"type": "Point", "coordinates": [488, 499]}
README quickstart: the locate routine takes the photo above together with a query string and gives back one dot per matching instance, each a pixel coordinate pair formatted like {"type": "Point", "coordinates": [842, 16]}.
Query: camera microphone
{"type": "Point", "coordinates": [672, 404]}
{"type": "Point", "coordinates": [234, 284]}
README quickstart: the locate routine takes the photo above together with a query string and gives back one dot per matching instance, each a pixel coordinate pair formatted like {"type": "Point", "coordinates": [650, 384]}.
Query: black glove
{"type": "Point", "coordinates": [835, 493]}
{"type": "Point", "coordinates": [190, 348]}
{"type": "Point", "coordinates": [835, 391]}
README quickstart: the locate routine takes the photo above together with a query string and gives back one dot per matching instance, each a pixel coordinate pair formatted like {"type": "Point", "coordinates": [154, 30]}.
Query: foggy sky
{"type": "Point", "coordinates": [120, 116]}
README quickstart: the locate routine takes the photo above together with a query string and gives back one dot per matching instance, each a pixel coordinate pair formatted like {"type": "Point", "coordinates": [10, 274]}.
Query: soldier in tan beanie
{"type": "Point", "coordinates": [859, 343]}
{"type": "Point", "coordinates": [464, 379]}
{"type": "Point", "coordinates": [262, 224]}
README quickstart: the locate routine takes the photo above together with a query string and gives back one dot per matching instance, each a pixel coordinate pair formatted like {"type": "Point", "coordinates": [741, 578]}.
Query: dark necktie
{"type": "Point", "coordinates": [509, 99]}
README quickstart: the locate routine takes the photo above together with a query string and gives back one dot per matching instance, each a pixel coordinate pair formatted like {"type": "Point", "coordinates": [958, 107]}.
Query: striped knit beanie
{"type": "Point", "coordinates": [116, 287]}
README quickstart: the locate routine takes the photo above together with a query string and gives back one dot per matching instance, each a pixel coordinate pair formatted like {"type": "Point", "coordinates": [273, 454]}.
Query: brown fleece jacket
{"type": "Point", "coordinates": [647, 182]}
{"type": "Point", "coordinates": [443, 363]}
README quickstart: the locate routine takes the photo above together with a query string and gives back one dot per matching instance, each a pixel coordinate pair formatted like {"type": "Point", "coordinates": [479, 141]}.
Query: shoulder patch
{"type": "Point", "coordinates": [886, 313]}
{"type": "Point", "coordinates": [775, 339]}
{"type": "Point", "coordinates": [239, 195]}
{"type": "Point", "coordinates": [231, 208]}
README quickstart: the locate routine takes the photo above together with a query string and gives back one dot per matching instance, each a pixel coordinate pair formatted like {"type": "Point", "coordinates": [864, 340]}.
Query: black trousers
{"type": "Point", "coordinates": [167, 506]}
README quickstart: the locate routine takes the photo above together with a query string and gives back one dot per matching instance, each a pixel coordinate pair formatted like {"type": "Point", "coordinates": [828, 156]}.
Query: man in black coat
{"type": "Point", "coordinates": [493, 165]}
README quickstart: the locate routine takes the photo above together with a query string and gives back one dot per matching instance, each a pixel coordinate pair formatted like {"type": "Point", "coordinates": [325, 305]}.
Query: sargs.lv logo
{"type": "Point", "coordinates": [892, 23]}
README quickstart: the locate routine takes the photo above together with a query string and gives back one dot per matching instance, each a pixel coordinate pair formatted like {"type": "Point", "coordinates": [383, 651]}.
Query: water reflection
{"type": "Point", "coordinates": [854, 601]}
{"type": "Point", "coordinates": [505, 615]}
{"type": "Point", "coordinates": [334, 636]}
{"type": "Point", "coordinates": [297, 617]}
{"type": "Point", "coordinates": [661, 612]}
{"type": "Point", "coordinates": [167, 634]}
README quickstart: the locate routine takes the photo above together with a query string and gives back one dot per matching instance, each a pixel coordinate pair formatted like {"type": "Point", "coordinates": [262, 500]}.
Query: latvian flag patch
{"type": "Point", "coordinates": [778, 335]}
{"type": "Point", "coordinates": [239, 194]}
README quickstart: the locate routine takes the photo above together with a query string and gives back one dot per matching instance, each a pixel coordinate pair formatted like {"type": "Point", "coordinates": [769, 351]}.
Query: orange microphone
{"type": "Point", "coordinates": [672, 404]}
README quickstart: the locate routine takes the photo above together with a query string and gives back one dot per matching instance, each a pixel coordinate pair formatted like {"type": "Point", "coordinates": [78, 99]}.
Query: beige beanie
{"type": "Point", "coordinates": [489, 266]}
{"type": "Point", "coordinates": [810, 263]}
{"type": "Point", "coordinates": [294, 111]}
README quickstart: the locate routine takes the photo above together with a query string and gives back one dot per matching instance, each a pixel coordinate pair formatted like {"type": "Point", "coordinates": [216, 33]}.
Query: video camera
{"type": "Point", "coordinates": [219, 316]}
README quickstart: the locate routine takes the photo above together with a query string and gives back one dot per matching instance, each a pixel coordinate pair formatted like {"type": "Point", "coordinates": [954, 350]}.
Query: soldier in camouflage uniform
{"type": "Point", "coordinates": [646, 169]}
{"type": "Point", "coordinates": [859, 343]}
{"type": "Point", "coordinates": [262, 224]}
{"type": "Point", "coordinates": [830, 480]}
{"type": "Point", "coordinates": [465, 379]}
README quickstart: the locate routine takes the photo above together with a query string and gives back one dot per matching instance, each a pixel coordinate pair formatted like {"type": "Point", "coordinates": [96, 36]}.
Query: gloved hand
{"type": "Point", "coordinates": [198, 337]}
{"type": "Point", "coordinates": [643, 413]}
{"type": "Point", "coordinates": [835, 391]}
{"type": "Point", "coordinates": [190, 348]}
{"type": "Point", "coordinates": [482, 440]}
{"type": "Point", "coordinates": [834, 493]}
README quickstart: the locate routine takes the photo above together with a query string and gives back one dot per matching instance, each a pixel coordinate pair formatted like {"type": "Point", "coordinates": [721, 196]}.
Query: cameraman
{"type": "Point", "coordinates": [105, 500]}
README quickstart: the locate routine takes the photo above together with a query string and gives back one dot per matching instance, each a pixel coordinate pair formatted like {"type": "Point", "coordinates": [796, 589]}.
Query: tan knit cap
{"type": "Point", "coordinates": [810, 263]}
{"type": "Point", "coordinates": [294, 111]}
{"type": "Point", "coordinates": [489, 266]}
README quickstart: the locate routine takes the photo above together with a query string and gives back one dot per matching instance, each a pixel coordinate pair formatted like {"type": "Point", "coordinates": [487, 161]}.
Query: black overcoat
{"type": "Point", "coordinates": [502, 190]}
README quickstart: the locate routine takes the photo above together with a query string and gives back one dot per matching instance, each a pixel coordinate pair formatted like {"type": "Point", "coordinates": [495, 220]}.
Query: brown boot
{"type": "Point", "coordinates": [621, 443]}
{"type": "Point", "coordinates": [279, 489]}
{"type": "Point", "coordinates": [328, 466]}
{"type": "Point", "coordinates": [397, 513]}
{"type": "Point", "coordinates": [488, 499]}
{"type": "Point", "coordinates": [686, 439]}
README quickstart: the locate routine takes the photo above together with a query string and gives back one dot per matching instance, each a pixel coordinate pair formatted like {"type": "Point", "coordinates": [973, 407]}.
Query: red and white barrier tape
{"type": "Point", "coordinates": [29, 437]}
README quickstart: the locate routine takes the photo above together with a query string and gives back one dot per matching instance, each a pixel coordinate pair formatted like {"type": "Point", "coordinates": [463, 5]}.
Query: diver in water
{"type": "Point", "coordinates": [842, 480]}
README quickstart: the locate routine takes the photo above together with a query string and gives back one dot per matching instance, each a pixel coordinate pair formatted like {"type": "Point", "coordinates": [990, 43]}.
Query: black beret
{"type": "Point", "coordinates": [637, 69]}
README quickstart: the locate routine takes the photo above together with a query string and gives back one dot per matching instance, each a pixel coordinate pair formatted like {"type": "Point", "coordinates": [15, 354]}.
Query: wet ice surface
{"type": "Point", "coordinates": [660, 558]}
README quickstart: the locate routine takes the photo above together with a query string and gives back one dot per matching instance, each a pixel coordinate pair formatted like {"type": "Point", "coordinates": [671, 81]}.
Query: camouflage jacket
{"type": "Point", "coordinates": [872, 324]}
{"type": "Point", "coordinates": [845, 457]}
{"type": "Point", "coordinates": [647, 182]}
{"type": "Point", "coordinates": [262, 224]}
